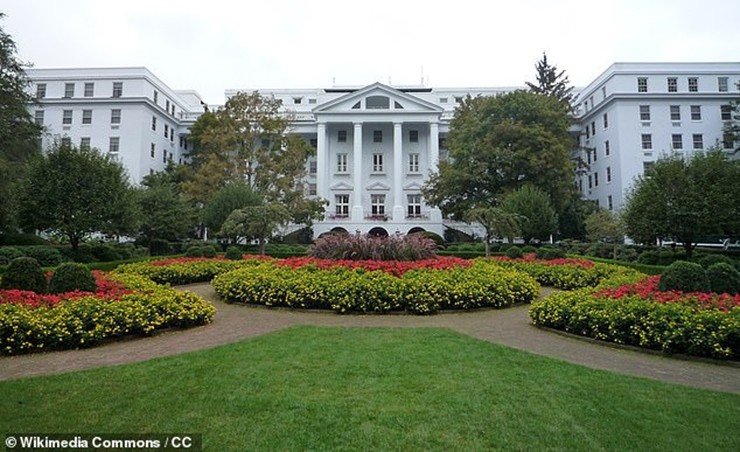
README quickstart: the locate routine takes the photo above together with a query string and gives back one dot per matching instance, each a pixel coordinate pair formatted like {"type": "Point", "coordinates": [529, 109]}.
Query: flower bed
{"type": "Point", "coordinates": [626, 308]}
{"type": "Point", "coordinates": [183, 270]}
{"type": "Point", "coordinates": [421, 290]}
{"type": "Point", "coordinates": [396, 268]}
{"type": "Point", "coordinates": [123, 305]}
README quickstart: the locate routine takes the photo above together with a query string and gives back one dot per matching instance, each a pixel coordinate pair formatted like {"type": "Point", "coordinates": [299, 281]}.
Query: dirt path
{"type": "Point", "coordinates": [508, 327]}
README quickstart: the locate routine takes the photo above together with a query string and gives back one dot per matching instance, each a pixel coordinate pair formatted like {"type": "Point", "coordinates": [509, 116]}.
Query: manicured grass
{"type": "Point", "coordinates": [375, 389]}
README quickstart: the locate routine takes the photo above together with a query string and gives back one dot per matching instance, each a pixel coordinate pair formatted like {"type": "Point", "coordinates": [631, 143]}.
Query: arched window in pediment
{"type": "Point", "coordinates": [377, 103]}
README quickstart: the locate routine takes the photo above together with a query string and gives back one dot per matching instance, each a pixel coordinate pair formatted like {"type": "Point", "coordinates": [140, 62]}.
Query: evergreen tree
{"type": "Point", "coordinates": [552, 83]}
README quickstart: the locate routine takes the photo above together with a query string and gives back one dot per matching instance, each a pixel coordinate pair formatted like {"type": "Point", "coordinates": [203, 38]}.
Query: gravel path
{"type": "Point", "coordinates": [510, 327]}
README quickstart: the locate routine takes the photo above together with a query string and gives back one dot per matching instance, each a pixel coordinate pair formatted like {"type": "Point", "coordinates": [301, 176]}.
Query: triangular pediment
{"type": "Point", "coordinates": [412, 186]}
{"type": "Point", "coordinates": [341, 186]}
{"type": "Point", "coordinates": [378, 186]}
{"type": "Point", "coordinates": [378, 98]}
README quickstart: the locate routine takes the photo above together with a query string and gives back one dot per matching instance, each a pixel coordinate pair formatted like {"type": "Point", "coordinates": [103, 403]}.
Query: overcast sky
{"type": "Point", "coordinates": [213, 45]}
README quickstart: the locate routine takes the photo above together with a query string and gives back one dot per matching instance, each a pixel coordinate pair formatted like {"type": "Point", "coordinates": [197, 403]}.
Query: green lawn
{"type": "Point", "coordinates": [375, 389]}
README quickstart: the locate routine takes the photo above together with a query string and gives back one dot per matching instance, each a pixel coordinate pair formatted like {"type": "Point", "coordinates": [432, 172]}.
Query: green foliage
{"type": "Point", "coordinates": [345, 290]}
{"type": "Point", "coordinates": [166, 215]}
{"type": "Point", "coordinates": [159, 247]}
{"type": "Point", "coordinates": [514, 252]}
{"type": "Point", "coordinates": [684, 276]}
{"type": "Point", "coordinates": [497, 144]}
{"type": "Point", "coordinates": [711, 259]}
{"type": "Point", "coordinates": [86, 321]}
{"type": "Point", "coordinates": [572, 217]}
{"type": "Point", "coordinates": [684, 200]}
{"type": "Point", "coordinates": [234, 253]}
{"type": "Point", "coordinates": [76, 192]}
{"type": "Point", "coordinates": [24, 273]}
{"type": "Point", "coordinates": [723, 278]}
{"type": "Point", "coordinates": [231, 197]}
{"type": "Point", "coordinates": [255, 222]}
{"type": "Point", "coordinates": [46, 256]}
{"type": "Point", "coordinates": [498, 223]}
{"type": "Point", "coordinates": [16, 239]}
{"type": "Point", "coordinates": [8, 253]}
{"type": "Point", "coordinates": [69, 277]}
{"type": "Point", "coordinates": [201, 250]}
{"type": "Point", "coordinates": [552, 83]}
{"type": "Point", "coordinates": [670, 327]}
{"type": "Point", "coordinates": [549, 253]}
{"type": "Point", "coordinates": [410, 247]}
{"type": "Point", "coordinates": [569, 276]}
{"type": "Point", "coordinates": [534, 212]}
{"type": "Point", "coordinates": [187, 272]}
{"type": "Point", "coordinates": [438, 239]}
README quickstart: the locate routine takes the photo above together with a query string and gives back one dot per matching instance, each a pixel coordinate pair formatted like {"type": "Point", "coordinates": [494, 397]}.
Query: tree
{"type": "Point", "coordinates": [18, 131]}
{"type": "Point", "coordinates": [497, 222]}
{"type": "Point", "coordinates": [572, 217]}
{"type": "Point", "coordinates": [232, 197]}
{"type": "Point", "coordinates": [496, 145]}
{"type": "Point", "coordinates": [256, 222]}
{"type": "Point", "coordinates": [683, 200]}
{"type": "Point", "coordinates": [538, 219]}
{"type": "Point", "coordinates": [166, 214]}
{"type": "Point", "coordinates": [605, 226]}
{"type": "Point", "coordinates": [731, 129]}
{"type": "Point", "coordinates": [552, 83]}
{"type": "Point", "coordinates": [76, 192]}
{"type": "Point", "coordinates": [248, 140]}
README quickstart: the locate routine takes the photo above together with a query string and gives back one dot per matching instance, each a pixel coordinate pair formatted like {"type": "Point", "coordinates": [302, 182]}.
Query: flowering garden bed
{"type": "Point", "coordinates": [124, 304]}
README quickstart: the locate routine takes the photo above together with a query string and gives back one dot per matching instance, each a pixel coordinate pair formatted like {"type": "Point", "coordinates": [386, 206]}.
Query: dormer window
{"type": "Point", "coordinates": [377, 103]}
{"type": "Point", "coordinates": [297, 100]}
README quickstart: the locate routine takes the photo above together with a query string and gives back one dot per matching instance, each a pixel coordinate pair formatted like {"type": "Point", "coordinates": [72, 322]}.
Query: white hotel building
{"type": "Point", "coordinates": [376, 145]}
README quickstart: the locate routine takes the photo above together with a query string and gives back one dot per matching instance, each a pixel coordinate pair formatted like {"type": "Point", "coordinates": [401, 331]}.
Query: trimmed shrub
{"type": "Point", "coordinates": [69, 277]}
{"type": "Point", "coordinates": [46, 256]}
{"type": "Point", "coordinates": [550, 253]}
{"type": "Point", "coordinates": [364, 247]}
{"type": "Point", "coordinates": [514, 252]}
{"type": "Point", "coordinates": [24, 273]}
{"type": "Point", "coordinates": [684, 276]}
{"type": "Point", "coordinates": [9, 239]}
{"type": "Point", "coordinates": [436, 237]}
{"type": "Point", "coordinates": [159, 247]}
{"type": "Point", "coordinates": [8, 253]}
{"type": "Point", "coordinates": [529, 249]}
{"type": "Point", "coordinates": [234, 253]}
{"type": "Point", "coordinates": [723, 278]}
{"type": "Point", "coordinates": [201, 250]}
{"type": "Point", "coordinates": [711, 259]}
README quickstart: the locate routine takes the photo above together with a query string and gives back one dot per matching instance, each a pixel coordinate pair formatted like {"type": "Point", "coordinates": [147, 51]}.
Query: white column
{"type": "Point", "coordinates": [398, 211]}
{"type": "Point", "coordinates": [322, 163]}
{"type": "Point", "coordinates": [357, 211]}
{"type": "Point", "coordinates": [433, 146]}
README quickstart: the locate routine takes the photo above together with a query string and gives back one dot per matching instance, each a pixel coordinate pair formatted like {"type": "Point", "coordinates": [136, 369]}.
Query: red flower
{"type": "Point", "coordinates": [396, 268]}
{"type": "Point", "coordinates": [107, 288]}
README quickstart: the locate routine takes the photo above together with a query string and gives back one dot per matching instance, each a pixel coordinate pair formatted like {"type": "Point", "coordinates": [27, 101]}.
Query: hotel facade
{"type": "Point", "coordinates": [376, 145]}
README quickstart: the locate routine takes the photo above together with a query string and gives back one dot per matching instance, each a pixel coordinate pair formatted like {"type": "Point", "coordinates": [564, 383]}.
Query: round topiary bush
{"type": "Point", "coordinates": [550, 253]}
{"type": "Point", "coordinates": [684, 276]}
{"type": "Point", "coordinates": [529, 249]}
{"type": "Point", "coordinates": [514, 252]}
{"type": "Point", "coordinates": [69, 277]}
{"type": "Point", "coordinates": [24, 273]}
{"type": "Point", "coordinates": [723, 278]}
{"type": "Point", "coordinates": [233, 253]}
{"type": "Point", "coordinates": [200, 250]}
{"type": "Point", "coordinates": [711, 259]}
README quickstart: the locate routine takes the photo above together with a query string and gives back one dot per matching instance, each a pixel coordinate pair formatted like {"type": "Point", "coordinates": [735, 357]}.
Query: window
{"type": "Point", "coordinates": [647, 166]}
{"type": "Point", "coordinates": [588, 132]}
{"type": "Point", "coordinates": [167, 106]}
{"type": "Point", "coordinates": [413, 136]}
{"type": "Point", "coordinates": [607, 150]}
{"type": "Point", "coordinates": [377, 204]}
{"type": "Point", "coordinates": [377, 136]}
{"type": "Point", "coordinates": [341, 206]}
{"type": "Point", "coordinates": [413, 163]}
{"type": "Point", "coordinates": [593, 128]}
{"type": "Point", "coordinates": [606, 121]}
{"type": "Point", "coordinates": [265, 143]}
{"type": "Point", "coordinates": [675, 112]}
{"type": "Point", "coordinates": [644, 112]}
{"type": "Point", "coordinates": [677, 141]}
{"type": "Point", "coordinates": [377, 103]}
{"type": "Point", "coordinates": [311, 189]}
{"type": "Point", "coordinates": [87, 116]}
{"type": "Point", "coordinates": [39, 117]}
{"type": "Point", "coordinates": [156, 97]}
{"type": "Point", "coordinates": [728, 140]}
{"type": "Point", "coordinates": [696, 112]}
{"type": "Point", "coordinates": [314, 142]}
{"type": "Point", "coordinates": [67, 117]}
{"type": "Point", "coordinates": [458, 99]}
{"type": "Point", "coordinates": [442, 100]}
{"type": "Point", "coordinates": [596, 155]}
{"type": "Point", "coordinates": [297, 100]}
{"type": "Point", "coordinates": [672, 84]}
{"type": "Point", "coordinates": [115, 116]}
{"type": "Point", "coordinates": [596, 179]}
{"type": "Point", "coordinates": [698, 140]}
{"type": "Point", "coordinates": [166, 130]}
{"type": "Point", "coordinates": [377, 163]}
{"type": "Point", "coordinates": [311, 100]}
{"type": "Point", "coordinates": [642, 85]}
{"type": "Point", "coordinates": [85, 143]}
{"type": "Point", "coordinates": [114, 145]}
{"type": "Point", "coordinates": [693, 84]}
{"type": "Point", "coordinates": [414, 206]}
{"type": "Point", "coordinates": [66, 141]}
{"type": "Point", "coordinates": [117, 89]}
{"type": "Point", "coordinates": [722, 84]}
{"type": "Point", "coordinates": [341, 163]}
{"type": "Point", "coordinates": [172, 134]}
{"type": "Point", "coordinates": [356, 106]}
{"type": "Point", "coordinates": [164, 155]}
{"type": "Point", "coordinates": [609, 202]}
{"type": "Point", "coordinates": [588, 156]}
{"type": "Point", "coordinates": [312, 167]}
{"type": "Point", "coordinates": [69, 90]}
{"type": "Point", "coordinates": [152, 149]}
{"type": "Point", "coordinates": [726, 112]}
{"type": "Point", "coordinates": [647, 141]}
{"type": "Point", "coordinates": [89, 89]}
{"type": "Point", "coordinates": [590, 182]}
{"type": "Point", "coordinates": [341, 136]}
{"type": "Point", "coordinates": [603, 92]}
{"type": "Point", "coordinates": [40, 90]}
{"type": "Point", "coordinates": [608, 173]}
{"type": "Point", "coordinates": [154, 123]}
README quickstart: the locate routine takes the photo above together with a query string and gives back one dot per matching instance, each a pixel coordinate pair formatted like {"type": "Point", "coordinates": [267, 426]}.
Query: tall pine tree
{"type": "Point", "coordinates": [552, 83]}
